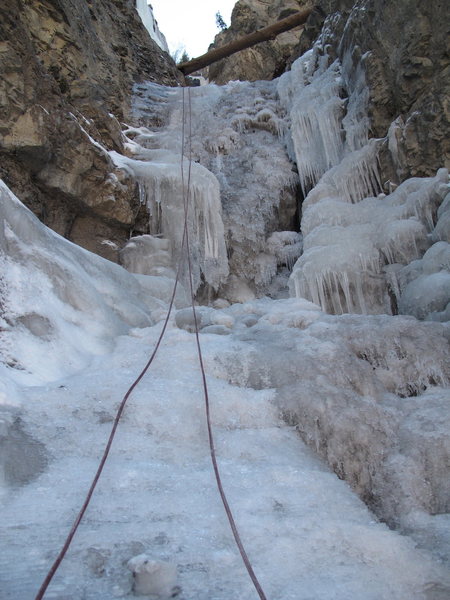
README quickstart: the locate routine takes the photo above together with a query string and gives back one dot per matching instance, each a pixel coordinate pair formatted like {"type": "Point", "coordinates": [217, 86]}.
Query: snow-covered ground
{"type": "Point", "coordinates": [307, 533]}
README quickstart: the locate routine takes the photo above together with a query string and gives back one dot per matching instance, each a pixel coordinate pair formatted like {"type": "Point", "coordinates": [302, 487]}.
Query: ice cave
{"type": "Point", "coordinates": [321, 277]}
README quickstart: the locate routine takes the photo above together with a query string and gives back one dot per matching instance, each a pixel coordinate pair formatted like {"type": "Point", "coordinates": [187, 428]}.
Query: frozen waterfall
{"type": "Point", "coordinates": [237, 148]}
{"type": "Point", "coordinates": [355, 238]}
{"type": "Point", "coordinates": [256, 147]}
{"type": "Point", "coordinates": [331, 416]}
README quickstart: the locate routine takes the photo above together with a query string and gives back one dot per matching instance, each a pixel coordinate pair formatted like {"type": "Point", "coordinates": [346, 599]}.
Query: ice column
{"type": "Point", "coordinates": [316, 110]}
{"type": "Point", "coordinates": [161, 188]}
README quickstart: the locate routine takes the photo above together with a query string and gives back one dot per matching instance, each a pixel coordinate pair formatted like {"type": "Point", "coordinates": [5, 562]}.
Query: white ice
{"type": "Point", "coordinates": [300, 399]}
{"type": "Point", "coordinates": [307, 533]}
{"type": "Point", "coordinates": [162, 182]}
{"type": "Point", "coordinates": [236, 138]}
{"type": "Point", "coordinates": [347, 247]}
{"type": "Point", "coordinates": [56, 295]}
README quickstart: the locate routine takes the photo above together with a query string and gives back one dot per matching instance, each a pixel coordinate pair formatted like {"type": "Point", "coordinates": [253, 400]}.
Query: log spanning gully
{"type": "Point", "coordinates": [247, 41]}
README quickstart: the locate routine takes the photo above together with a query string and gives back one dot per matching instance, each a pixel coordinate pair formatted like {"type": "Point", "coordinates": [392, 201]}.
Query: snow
{"type": "Point", "coordinates": [146, 13]}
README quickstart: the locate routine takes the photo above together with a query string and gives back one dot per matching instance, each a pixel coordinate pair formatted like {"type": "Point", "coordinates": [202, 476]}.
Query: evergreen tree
{"type": "Point", "coordinates": [220, 22]}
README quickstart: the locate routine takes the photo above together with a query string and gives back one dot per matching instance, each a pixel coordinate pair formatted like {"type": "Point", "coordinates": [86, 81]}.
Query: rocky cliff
{"type": "Point", "coordinates": [266, 60]}
{"type": "Point", "coordinates": [403, 49]}
{"type": "Point", "coordinates": [66, 72]}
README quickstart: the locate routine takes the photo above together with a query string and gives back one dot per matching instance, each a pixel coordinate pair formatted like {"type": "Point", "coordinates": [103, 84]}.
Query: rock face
{"type": "Point", "coordinates": [65, 67]}
{"type": "Point", "coordinates": [405, 59]}
{"type": "Point", "coordinates": [407, 69]}
{"type": "Point", "coordinates": [266, 60]}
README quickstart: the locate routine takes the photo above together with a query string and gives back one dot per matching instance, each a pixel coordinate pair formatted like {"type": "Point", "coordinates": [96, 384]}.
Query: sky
{"type": "Point", "coordinates": [190, 24]}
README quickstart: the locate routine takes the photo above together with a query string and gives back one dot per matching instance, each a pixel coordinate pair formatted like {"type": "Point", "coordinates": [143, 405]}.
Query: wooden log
{"type": "Point", "coordinates": [267, 33]}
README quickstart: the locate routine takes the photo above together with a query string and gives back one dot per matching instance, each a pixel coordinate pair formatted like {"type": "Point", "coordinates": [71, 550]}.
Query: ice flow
{"type": "Point", "coordinates": [301, 399]}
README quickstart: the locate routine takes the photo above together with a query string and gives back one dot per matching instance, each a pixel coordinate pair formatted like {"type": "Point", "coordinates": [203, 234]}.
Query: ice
{"type": "Point", "coordinates": [347, 246]}
{"type": "Point", "coordinates": [236, 137]}
{"type": "Point", "coordinates": [147, 255]}
{"type": "Point", "coordinates": [330, 134]}
{"type": "Point", "coordinates": [346, 249]}
{"type": "Point", "coordinates": [316, 113]}
{"type": "Point", "coordinates": [442, 230]}
{"type": "Point", "coordinates": [299, 399]}
{"type": "Point", "coordinates": [153, 578]}
{"type": "Point", "coordinates": [423, 286]}
{"type": "Point", "coordinates": [356, 122]}
{"type": "Point", "coordinates": [163, 189]}
{"type": "Point", "coordinates": [349, 250]}
{"type": "Point", "coordinates": [59, 295]}
{"type": "Point", "coordinates": [286, 246]}
{"type": "Point", "coordinates": [353, 179]}
{"type": "Point", "coordinates": [158, 496]}
{"type": "Point", "coordinates": [353, 385]}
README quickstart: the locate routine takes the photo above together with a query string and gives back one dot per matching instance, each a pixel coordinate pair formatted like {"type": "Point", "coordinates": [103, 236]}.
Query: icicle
{"type": "Point", "coordinates": [159, 178]}
{"type": "Point", "coordinates": [356, 121]}
{"type": "Point", "coordinates": [316, 114]}
{"type": "Point", "coordinates": [347, 245]}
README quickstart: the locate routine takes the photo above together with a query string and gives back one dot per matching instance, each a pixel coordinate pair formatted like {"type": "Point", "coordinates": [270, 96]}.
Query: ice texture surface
{"type": "Point", "coordinates": [235, 142]}
{"type": "Point", "coordinates": [301, 400]}
{"type": "Point", "coordinates": [58, 295]}
{"type": "Point", "coordinates": [349, 250]}
{"type": "Point", "coordinates": [348, 246]}
{"type": "Point", "coordinates": [162, 183]}
{"type": "Point", "coordinates": [353, 234]}
{"type": "Point", "coordinates": [158, 494]}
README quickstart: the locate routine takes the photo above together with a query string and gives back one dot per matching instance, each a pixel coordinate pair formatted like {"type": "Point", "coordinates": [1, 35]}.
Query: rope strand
{"type": "Point", "coordinates": [73, 530]}
{"type": "Point", "coordinates": [184, 243]}
{"type": "Point", "coordinates": [228, 511]}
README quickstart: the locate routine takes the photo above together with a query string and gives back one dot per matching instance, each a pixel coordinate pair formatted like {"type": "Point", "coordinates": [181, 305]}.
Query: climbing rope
{"type": "Point", "coordinates": [228, 511]}
{"type": "Point", "coordinates": [118, 416]}
{"type": "Point", "coordinates": [184, 245]}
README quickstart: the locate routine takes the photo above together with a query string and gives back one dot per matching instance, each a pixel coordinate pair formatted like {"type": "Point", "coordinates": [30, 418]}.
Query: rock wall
{"type": "Point", "coordinates": [407, 68]}
{"type": "Point", "coordinates": [402, 48]}
{"type": "Point", "coordinates": [266, 60]}
{"type": "Point", "coordinates": [65, 69]}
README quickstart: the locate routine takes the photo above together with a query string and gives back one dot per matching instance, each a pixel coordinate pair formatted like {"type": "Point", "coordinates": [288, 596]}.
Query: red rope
{"type": "Point", "coordinates": [120, 410]}
{"type": "Point", "coordinates": [212, 449]}
{"type": "Point", "coordinates": [185, 242]}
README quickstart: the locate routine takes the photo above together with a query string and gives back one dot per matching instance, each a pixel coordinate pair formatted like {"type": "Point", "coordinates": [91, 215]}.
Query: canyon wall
{"type": "Point", "coordinates": [66, 72]}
